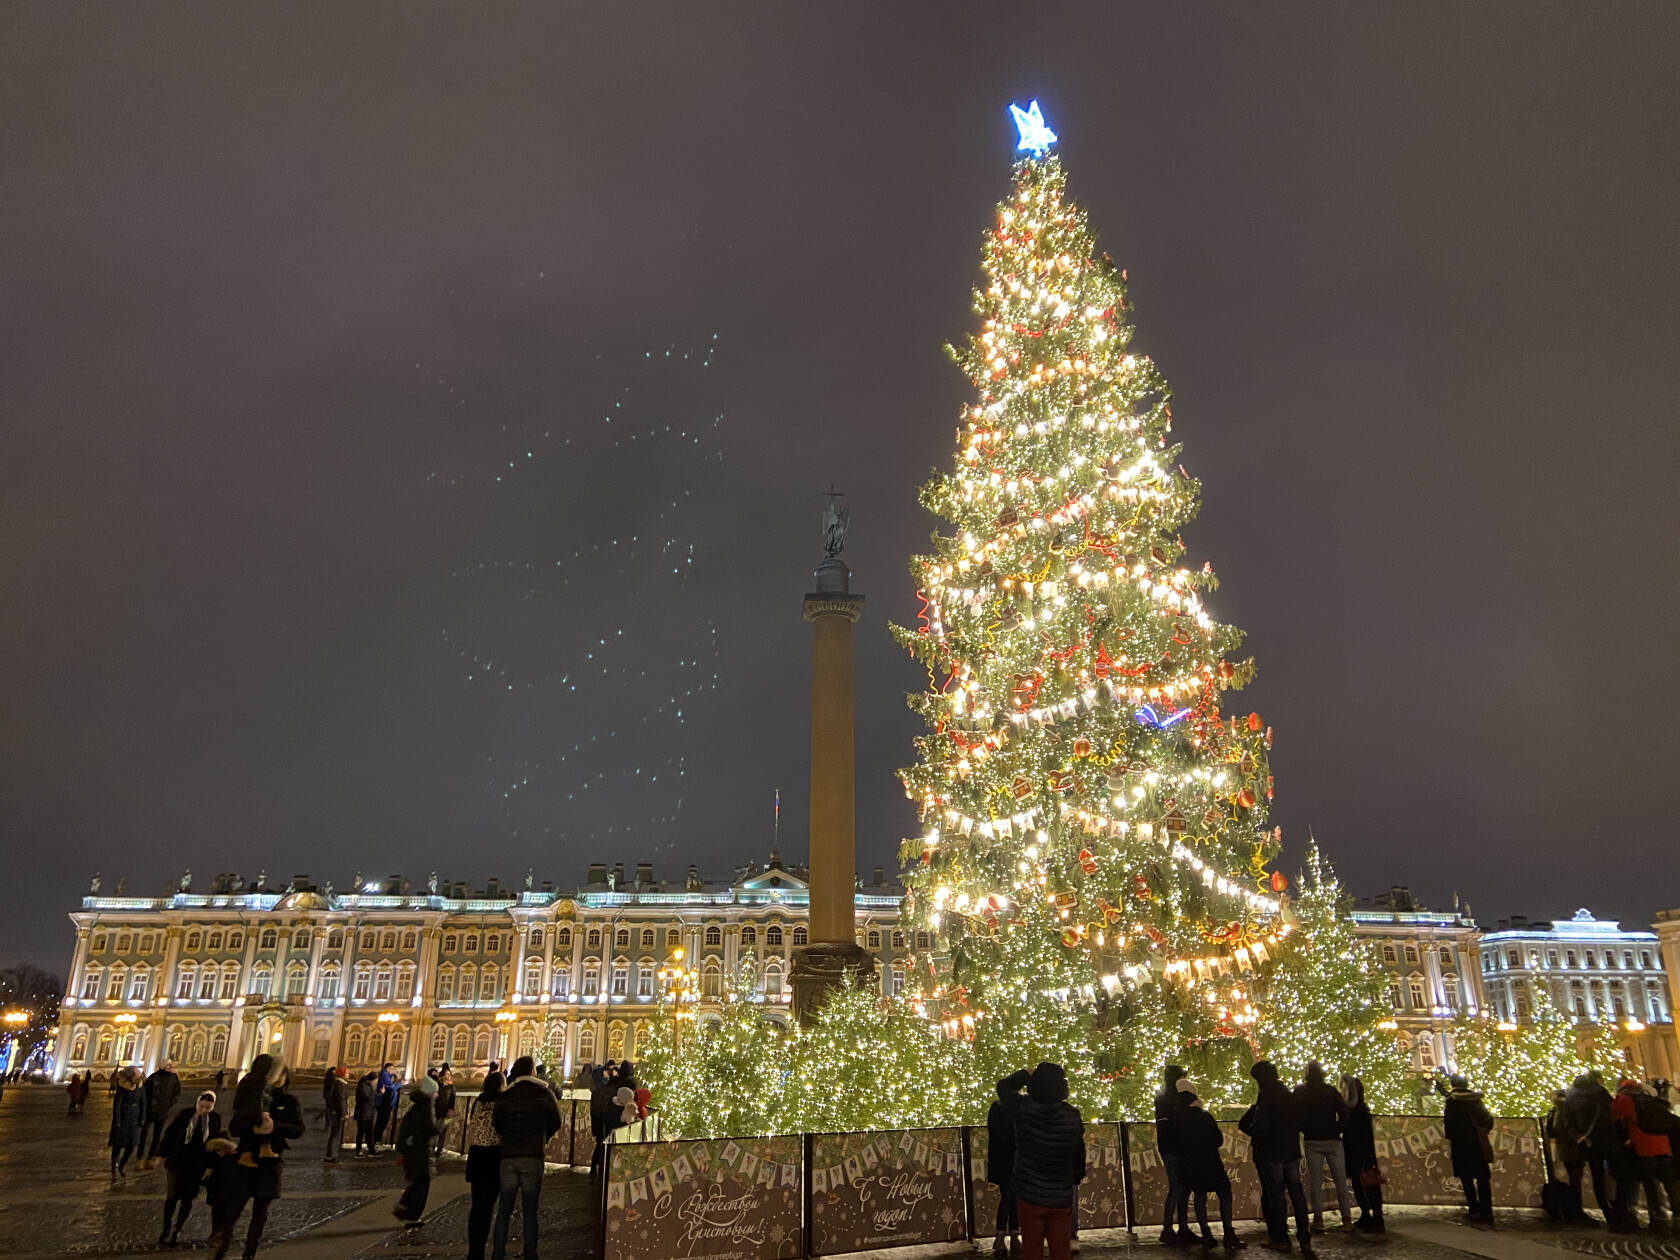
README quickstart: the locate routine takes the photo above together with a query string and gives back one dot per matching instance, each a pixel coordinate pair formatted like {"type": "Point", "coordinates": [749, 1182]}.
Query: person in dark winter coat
{"type": "Point", "coordinates": [602, 1086]}
{"type": "Point", "coordinates": [333, 1102]}
{"type": "Point", "coordinates": [1467, 1123]}
{"type": "Point", "coordinates": [367, 1115]}
{"type": "Point", "coordinates": [1569, 1155]}
{"type": "Point", "coordinates": [186, 1159]}
{"type": "Point", "coordinates": [128, 1118]}
{"type": "Point", "coordinates": [1359, 1149]}
{"type": "Point", "coordinates": [1586, 1107]}
{"type": "Point", "coordinates": [385, 1101]}
{"type": "Point", "coordinates": [1196, 1139]}
{"type": "Point", "coordinates": [1177, 1207]}
{"type": "Point", "coordinates": [266, 1119]}
{"type": "Point", "coordinates": [163, 1090]}
{"type": "Point", "coordinates": [484, 1165]}
{"type": "Point", "coordinates": [1049, 1162]}
{"type": "Point", "coordinates": [1647, 1160]}
{"type": "Point", "coordinates": [526, 1116]}
{"type": "Point", "coordinates": [1323, 1114]}
{"type": "Point", "coordinates": [415, 1132]}
{"type": "Point", "coordinates": [1274, 1128]}
{"type": "Point", "coordinates": [1000, 1158]}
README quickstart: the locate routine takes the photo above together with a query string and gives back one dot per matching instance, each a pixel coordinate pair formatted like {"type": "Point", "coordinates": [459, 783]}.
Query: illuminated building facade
{"type": "Point", "coordinates": [385, 973]}
{"type": "Point", "coordinates": [1431, 961]}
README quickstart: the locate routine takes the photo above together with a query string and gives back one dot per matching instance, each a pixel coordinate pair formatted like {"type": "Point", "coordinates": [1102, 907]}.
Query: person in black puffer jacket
{"type": "Point", "coordinates": [1323, 1112]}
{"type": "Point", "coordinates": [1466, 1123]}
{"type": "Point", "coordinates": [1197, 1139]}
{"type": "Point", "coordinates": [1000, 1157]}
{"type": "Point", "coordinates": [1359, 1146]}
{"type": "Point", "coordinates": [1049, 1162]}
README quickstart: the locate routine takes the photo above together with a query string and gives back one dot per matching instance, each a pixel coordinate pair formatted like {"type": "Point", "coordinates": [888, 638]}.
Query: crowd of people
{"type": "Point", "coordinates": [1035, 1152]}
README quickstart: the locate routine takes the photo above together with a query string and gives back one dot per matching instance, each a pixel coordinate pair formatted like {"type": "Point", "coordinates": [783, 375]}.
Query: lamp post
{"type": "Point", "coordinates": [680, 986]}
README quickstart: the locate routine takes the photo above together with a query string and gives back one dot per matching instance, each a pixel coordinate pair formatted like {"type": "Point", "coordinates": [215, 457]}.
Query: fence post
{"type": "Point", "coordinates": [968, 1180]}
{"type": "Point", "coordinates": [809, 1157]}
{"type": "Point", "coordinates": [1126, 1177]}
{"type": "Point", "coordinates": [601, 1207]}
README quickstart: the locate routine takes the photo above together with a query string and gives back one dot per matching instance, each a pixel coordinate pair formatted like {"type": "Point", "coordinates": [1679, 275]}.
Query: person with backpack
{"type": "Point", "coordinates": [1650, 1156]}
{"type": "Point", "coordinates": [1000, 1158]}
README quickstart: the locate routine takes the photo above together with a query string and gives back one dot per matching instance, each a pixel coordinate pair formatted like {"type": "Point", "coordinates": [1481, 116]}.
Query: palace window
{"type": "Point", "coordinates": [1514, 959]}
{"type": "Point", "coordinates": [773, 937]}
{"type": "Point", "coordinates": [440, 1044]}
{"type": "Point", "coordinates": [297, 980]}
{"type": "Point", "coordinates": [898, 940]}
{"type": "Point", "coordinates": [713, 936]}
{"type": "Point", "coordinates": [1450, 983]}
{"type": "Point", "coordinates": [262, 980]}
{"type": "Point", "coordinates": [471, 947]}
{"type": "Point", "coordinates": [1644, 960]}
{"type": "Point", "coordinates": [218, 1046]}
{"type": "Point", "coordinates": [405, 982]}
{"type": "Point", "coordinates": [410, 941]}
{"type": "Point", "coordinates": [213, 941]}
{"type": "Point", "coordinates": [461, 1044]}
{"type": "Point", "coordinates": [369, 941]}
{"type": "Point", "coordinates": [620, 980]}
{"type": "Point", "coordinates": [799, 936]}
{"type": "Point", "coordinates": [335, 939]}
{"type": "Point", "coordinates": [490, 984]}
{"type": "Point", "coordinates": [593, 940]}
{"type": "Point", "coordinates": [236, 940]}
{"type": "Point", "coordinates": [749, 935]}
{"type": "Point", "coordinates": [586, 1043]}
{"type": "Point", "coordinates": [1415, 985]}
{"type": "Point", "coordinates": [207, 982]}
{"type": "Point", "coordinates": [622, 939]}
{"type": "Point", "coordinates": [897, 981]}
{"type": "Point", "coordinates": [139, 984]}
{"type": "Point", "coordinates": [353, 1045]}
{"type": "Point", "coordinates": [300, 939]}
{"type": "Point", "coordinates": [711, 979]}
{"type": "Point", "coordinates": [591, 980]}
{"type": "Point", "coordinates": [533, 977]}
{"type": "Point", "coordinates": [186, 979]}
{"type": "Point", "coordinates": [176, 1047]}
{"type": "Point", "coordinates": [773, 981]}
{"type": "Point", "coordinates": [98, 946]}
{"type": "Point", "coordinates": [563, 938]}
{"type": "Point", "coordinates": [874, 939]}
{"type": "Point", "coordinates": [329, 983]}
{"type": "Point", "coordinates": [1411, 955]}
{"type": "Point", "coordinates": [673, 938]}
{"type": "Point", "coordinates": [921, 940]}
{"type": "Point", "coordinates": [388, 942]}
{"type": "Point", "coordinates": [1394, 992]}
{"type": "Point", "coordinates": [560, 983]}
{"type": "Point", "coordinates": [451, 943]}
{"type": "Point", "coordinates": [230, 981]}
{"type": "Point", "coordinates": [493, 943]}
{"type": "Point", "coordinates": [148, 943]}
{"type": "Point", "coordinates": [536, 938]}
{"type": "Point", "coordinates": [125, 943]}
{"type": "Point", "coordinates": [647, 938]}
{"type": "Point", "coordinates": [1445, 956]}
{"type": "Point", "coordinates": [382, 983]}
{"type": "Point", "coordinates": [195, 941]}
{"type": "Point", "coordinates": [269, 939]}
{"type": "Point", "coordinates": [1552, 958]}
{"type": "Point", "coordinates": [446, 983]}
{"type": "Point", "coordinates": [90, 985]}
{"type": "Point", "coordinates": [481, 1046]}
{"type": "Point", "coordinates": [644, 980]}
{"type": "Point", "coordinates": [323, 1048]}
{"type": "Point", "coordinates": [363, 988]}
{"type": "Point", "coordinates": [114, 990]}
{"type": "Point", "coordinates": [375, 1052]}
{"type": "Point", "coordinates": [467, 990]}
{"type": "Point", "coordinates": [1389, 955]}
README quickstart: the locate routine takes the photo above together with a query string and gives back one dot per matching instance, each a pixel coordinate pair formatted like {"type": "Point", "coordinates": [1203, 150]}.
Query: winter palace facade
{"type": "Point", "coordinates": [211, 979]}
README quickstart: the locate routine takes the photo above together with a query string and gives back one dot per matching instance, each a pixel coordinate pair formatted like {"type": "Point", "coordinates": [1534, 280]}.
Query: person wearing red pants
{"type": "Point", "coordinates": [1049, 1163]}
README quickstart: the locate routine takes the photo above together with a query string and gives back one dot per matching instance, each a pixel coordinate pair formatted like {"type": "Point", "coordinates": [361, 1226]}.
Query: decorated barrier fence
{"type": "Point", "coordinates": [825, 1194]}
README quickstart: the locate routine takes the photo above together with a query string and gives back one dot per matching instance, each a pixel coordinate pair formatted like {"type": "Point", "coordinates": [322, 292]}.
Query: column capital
{"type": "Point", "coordinates": [839, 604]}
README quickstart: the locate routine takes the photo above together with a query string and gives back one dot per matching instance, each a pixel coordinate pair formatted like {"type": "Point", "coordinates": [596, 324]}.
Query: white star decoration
{"type": "Point", "coordinates": [1036, 138]}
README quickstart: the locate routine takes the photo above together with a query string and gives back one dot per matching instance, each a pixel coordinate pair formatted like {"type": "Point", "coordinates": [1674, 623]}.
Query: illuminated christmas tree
{"type": "Point", "coordinates": [1326, 999]}
{"type": "Point", "coordinates": [1094, 849]}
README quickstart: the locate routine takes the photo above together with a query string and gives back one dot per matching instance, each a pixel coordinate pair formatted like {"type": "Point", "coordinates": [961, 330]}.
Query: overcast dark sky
{"type": "Point", "coordinates": [284, 290]}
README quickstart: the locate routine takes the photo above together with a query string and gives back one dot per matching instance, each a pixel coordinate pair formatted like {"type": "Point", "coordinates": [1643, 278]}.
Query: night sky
{"type": "Point", "coordinates": [413, 420]}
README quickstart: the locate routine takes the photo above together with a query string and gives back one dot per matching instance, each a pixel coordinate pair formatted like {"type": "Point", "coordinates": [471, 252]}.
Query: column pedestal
{"type": "Point", "coordinates": [818, 969]}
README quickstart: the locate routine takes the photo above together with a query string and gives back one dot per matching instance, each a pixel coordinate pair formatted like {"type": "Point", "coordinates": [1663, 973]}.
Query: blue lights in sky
{"type": "Point", "coordinates": [1036, 138]}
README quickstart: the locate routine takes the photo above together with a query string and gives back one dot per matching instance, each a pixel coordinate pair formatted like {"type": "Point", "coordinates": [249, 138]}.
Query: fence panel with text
{"type": "Point", "coordinates": [723, 1198]}
{"type": "Point", "coordinates": [559, 1148]}
{"type": "Point", "coordinates": [888, 1189]}
{"type": "Point", "coordinates": [986, 1196]}
{"type": "Point", "coordinates": [1102, 1195]}
{"type": "Point", "coordinates": [1417, 1162]}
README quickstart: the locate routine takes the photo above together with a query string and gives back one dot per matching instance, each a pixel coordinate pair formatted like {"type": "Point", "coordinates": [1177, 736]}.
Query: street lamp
{"type": "Point", "coordinates": [16, 1018]}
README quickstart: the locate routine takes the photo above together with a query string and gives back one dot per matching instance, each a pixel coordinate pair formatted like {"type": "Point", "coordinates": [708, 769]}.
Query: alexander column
{"type": "Point", "coordinates": [833, 952]}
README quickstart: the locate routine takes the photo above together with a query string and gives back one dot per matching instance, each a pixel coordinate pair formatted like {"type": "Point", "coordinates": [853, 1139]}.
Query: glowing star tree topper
{"type": "Point", "coordinates": [1036, 138]}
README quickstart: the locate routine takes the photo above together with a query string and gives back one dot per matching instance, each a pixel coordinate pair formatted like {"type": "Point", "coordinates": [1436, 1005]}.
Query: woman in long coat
{"type": "Point", "coordinates": [186, 1158]}
{"type": "Point", "coordinates": [128, 1118]}
{"type": "Point", "coordinates": [1467, 1124]}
